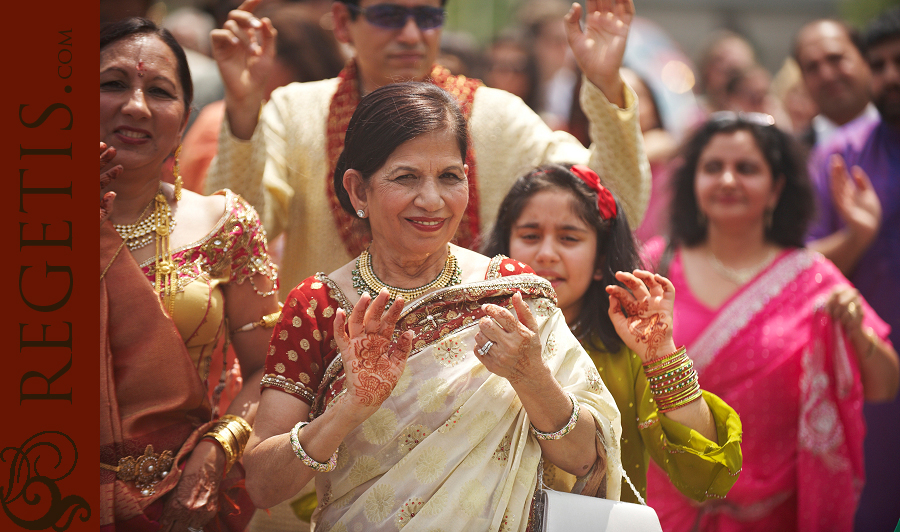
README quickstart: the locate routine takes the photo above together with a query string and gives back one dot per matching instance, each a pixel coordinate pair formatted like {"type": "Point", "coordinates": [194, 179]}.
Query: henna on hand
{"type": "Point", "coordinates": [193, 502]}
{"type": "Point", "coordinates": [373, 369]}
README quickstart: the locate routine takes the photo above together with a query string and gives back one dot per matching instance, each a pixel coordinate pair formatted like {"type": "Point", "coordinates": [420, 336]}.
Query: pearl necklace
{"type": "Point", "coordinates": [741, 275]}
{"type": "Point", "coordinates": [141, 233]}
{"type": "Point", "coordinates": [365, 280]}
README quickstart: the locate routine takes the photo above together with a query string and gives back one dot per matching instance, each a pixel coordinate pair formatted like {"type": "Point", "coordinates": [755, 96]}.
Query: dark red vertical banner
{"type": "Point", "coordinates": [49, 450]}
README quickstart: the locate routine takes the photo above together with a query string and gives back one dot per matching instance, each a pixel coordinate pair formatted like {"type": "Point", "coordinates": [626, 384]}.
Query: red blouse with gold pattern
{"type": "Point", "coordinates": [303, 346]}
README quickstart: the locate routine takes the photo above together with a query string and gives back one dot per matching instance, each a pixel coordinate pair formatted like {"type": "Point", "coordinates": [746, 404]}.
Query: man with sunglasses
{"type": "Point", "coordinates": [280, 156]}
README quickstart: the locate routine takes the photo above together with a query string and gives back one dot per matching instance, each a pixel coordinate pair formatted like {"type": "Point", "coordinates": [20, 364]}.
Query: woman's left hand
{"type": "Point", "coordinates": [600, 46]}
{"type": "Point", "coordinates": [194, 501]}
{"type": "Point", "coordinates": [845, 304]}
{"type": "Point", "coordinates": [643, 317]}
{"type": "Point", "coordinates": [515, 351]}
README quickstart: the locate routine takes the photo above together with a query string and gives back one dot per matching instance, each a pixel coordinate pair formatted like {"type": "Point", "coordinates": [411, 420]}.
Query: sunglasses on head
{"type": "Point", "coordinates": [394, 17]}
{"type": "Point", "coordinates": [729, 117]}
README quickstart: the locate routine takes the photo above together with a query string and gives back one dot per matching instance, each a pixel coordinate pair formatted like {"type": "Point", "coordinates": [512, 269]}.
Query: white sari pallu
{"type": "Point", "coordinates": [451, 448]}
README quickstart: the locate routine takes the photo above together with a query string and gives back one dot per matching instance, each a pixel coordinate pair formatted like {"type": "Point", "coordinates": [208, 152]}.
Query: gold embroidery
{"type": "Point", "coordinates": [146, 470]}
{"type": "Point", "coordinates": [282, 335]}
{"type": "Point", "coordinates": [292, 356]}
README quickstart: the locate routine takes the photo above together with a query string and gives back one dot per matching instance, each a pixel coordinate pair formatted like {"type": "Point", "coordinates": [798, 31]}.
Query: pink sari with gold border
{"type": "Point", "coordinates": [789, 372]}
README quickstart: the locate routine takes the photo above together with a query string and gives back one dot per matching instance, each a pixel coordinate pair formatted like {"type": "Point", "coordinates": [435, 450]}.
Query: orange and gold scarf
{"type": "Point", "coordinates": [356, 235]}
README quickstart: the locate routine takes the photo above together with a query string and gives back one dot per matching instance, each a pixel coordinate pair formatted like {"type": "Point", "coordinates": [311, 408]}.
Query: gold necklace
{"type": "Point", "coordinates": [739, 275]}
{"type": "Point", "coordinates": [141, 233]}
{"type": "Point", "coordinates": [365, 280]}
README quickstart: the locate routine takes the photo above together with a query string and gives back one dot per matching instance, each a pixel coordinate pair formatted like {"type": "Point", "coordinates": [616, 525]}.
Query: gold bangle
{"type": "Point", "coordinates": [226, 446]}
{"type": "Point", "coordinates": [267, 322]}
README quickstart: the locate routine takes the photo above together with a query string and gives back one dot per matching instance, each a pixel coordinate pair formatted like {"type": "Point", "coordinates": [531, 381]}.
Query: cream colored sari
{"type": "Point", "coordinates": [451, 448]}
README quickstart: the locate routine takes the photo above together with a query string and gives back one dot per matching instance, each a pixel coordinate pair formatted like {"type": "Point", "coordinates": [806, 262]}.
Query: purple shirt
{"type": "Point", "coordinates": [875, 147]}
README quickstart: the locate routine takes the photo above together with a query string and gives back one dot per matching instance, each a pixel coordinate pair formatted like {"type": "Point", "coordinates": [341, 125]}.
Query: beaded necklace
{"type": "Point", "coordinates": [365, 280]}
{"type": "Point", "coordinates": [742, 275]}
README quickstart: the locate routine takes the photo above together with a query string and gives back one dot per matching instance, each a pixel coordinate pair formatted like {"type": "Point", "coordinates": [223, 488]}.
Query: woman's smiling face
{"type": "Point", "coordinates": [142, 109]}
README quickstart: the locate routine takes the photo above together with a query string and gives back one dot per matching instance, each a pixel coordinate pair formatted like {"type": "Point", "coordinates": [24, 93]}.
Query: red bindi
{"type": "Point", "coordinates": [140, 68]}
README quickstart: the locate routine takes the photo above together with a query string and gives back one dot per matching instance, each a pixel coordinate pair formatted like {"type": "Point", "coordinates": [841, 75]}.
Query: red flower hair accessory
{"type": "Point", "coordinates": [605, 201]}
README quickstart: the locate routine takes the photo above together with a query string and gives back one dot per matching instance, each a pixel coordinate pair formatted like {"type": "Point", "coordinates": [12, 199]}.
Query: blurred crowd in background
{"type": "Point", "coordinates": [822, 82]}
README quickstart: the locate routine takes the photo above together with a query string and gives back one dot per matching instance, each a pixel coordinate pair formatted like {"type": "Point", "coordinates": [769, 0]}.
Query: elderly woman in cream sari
{"type": "Point", "coordinates": [422, 383]}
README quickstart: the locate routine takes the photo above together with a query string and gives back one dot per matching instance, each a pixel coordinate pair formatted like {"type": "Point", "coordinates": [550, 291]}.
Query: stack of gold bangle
{"type": "Point", "coordinates": [232, 433]}
{"type": "Point", "coordinates": [673, 380]}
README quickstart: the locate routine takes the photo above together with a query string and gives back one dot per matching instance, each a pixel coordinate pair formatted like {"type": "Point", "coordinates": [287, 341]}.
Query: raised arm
{"type": "Point", "coordinates": [858, 207]}
{"type": "Point", "coordinates": [600, 46]}
{"type": "Point", "coordinates": [277, 467]}
{"type": "Point", "coordinates": [244, 49]}
{"type": "Point", "coordinates": [643, 319]}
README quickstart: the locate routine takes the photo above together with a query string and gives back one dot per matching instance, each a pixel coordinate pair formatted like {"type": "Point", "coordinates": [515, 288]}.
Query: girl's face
{"type": "Point", "coordinates": [558, 245]}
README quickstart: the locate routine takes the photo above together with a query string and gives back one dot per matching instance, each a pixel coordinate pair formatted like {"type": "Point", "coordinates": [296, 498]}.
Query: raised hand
{"type": "Point", "coordinates": [855, 200]}
{"type": "Point", "coordinates": [643, 317]}
{"type": "Point", "coordinates": [244, 49]}
{"type": "Point", "coordinates": [107, 153]}
{"type": "Point", "coordinates": [373, 363]}
{"type": "Point", "coordinates": [515, 353]}
{"type": "Point", "coordinates": [600, 46]}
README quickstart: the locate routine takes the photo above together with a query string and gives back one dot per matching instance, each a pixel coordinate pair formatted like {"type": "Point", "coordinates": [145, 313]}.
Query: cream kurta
{"type": "Point", "coordinates": [281, 170]}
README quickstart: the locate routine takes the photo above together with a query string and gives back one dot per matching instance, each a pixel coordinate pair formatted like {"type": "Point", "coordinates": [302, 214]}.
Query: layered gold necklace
{"type": "Point", "coordinates": [141, 233]}
{"type": "Point", "coordinates": [365, 280]}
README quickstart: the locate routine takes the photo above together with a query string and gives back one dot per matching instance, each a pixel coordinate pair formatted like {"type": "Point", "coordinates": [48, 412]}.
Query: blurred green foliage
{"type": "Point", "coordinates": [859, 12]}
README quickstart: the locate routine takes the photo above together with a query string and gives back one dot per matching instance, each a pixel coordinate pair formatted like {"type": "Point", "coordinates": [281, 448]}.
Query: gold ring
{"type": "Point", "coordinates": [852, 309]}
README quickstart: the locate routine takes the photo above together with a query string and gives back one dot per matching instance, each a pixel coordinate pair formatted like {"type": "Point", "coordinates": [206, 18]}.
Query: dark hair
{"type": "Point", "coordinates": [853, 35]}
{"type": "Point", "coordinates": [124, 28]}
{"type": "Point", "coordinates": [301, 44]}
{"type": "Point", "coordinates": [616, 248]}
{"type": "Point", "coordinates": [389, 116]}
{"type": "Point", "coordinates": [884, 27]}
{"type": "Point", "coordinates": [796, 204]}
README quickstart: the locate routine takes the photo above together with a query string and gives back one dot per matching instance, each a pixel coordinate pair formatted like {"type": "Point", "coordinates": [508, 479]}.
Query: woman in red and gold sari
{"type": "Point", "coordinates": [179, 274]}
{"type": "Point", "coordinates": [422, 383]}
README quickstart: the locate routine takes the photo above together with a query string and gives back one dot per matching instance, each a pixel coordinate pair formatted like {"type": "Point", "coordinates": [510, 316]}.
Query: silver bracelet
{"type": "Point", "coordinates": [563, 431]}
{"type": "Point", "coordinates": [319, 467]}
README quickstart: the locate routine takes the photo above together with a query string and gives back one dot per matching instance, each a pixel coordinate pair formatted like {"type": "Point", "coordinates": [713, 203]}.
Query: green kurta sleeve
{"type": "Point", "coordinates": [699, 468]}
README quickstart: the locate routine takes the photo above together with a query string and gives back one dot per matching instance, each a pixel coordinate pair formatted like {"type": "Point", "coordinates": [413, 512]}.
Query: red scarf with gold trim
{"type": "Point", "coordinates": [354, 232]}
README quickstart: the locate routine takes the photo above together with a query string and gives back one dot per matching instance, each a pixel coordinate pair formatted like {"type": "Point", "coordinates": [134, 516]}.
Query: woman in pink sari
{"type": "Point", "coordinates": [772, 328]}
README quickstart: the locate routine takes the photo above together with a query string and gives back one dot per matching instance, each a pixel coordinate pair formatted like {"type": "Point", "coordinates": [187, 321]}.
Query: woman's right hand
{"type": "Point", "coordinates": [107, 153]}
{"type": "Point", "coordinates": [373, 363]}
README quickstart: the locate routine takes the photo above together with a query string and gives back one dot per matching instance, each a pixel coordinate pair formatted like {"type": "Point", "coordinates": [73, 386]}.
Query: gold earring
{"type": "Point", "coordinates": [177, 172]}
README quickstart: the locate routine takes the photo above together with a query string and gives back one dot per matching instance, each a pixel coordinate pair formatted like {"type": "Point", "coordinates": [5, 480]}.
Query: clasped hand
{"type": "Point", "coordinates": [373, 362]}
{"type": "Point", "coordinates": [643, 316]}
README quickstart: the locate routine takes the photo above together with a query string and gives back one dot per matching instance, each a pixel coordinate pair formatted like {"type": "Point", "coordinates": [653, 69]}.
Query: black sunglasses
{"type": "Point", "coordinates": [394, 17]}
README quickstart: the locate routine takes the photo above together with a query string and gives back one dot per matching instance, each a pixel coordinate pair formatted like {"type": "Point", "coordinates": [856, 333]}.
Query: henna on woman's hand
{"type": "Point", "coordinates": [373, 369]}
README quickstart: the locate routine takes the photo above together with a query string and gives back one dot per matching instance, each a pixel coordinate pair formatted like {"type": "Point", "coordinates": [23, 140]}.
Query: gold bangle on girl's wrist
{"type": "Point", "coordinates": [873, 342]}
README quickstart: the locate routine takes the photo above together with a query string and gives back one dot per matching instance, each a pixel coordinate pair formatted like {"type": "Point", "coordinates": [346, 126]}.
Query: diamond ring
{"type": "Point", "coordinates": [485, 348]}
